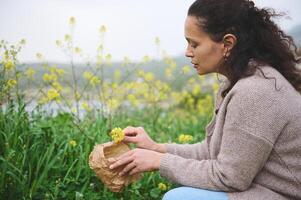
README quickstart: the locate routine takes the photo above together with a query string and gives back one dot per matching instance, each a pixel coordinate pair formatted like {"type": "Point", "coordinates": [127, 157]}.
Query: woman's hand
{"type": "Point", "coordinates": [138, 136]}
{"type": "Point", "coordinates": [137, 160]}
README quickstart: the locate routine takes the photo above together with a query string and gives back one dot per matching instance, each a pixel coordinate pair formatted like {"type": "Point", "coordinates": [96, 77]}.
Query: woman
{"type": "Point", "coordinates": [252, 148]}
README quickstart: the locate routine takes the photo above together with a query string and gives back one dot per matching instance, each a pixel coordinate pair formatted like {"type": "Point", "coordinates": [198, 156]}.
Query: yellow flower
{"type": "Point", "coordinates": [117, 135]}
{"type": "Point", "coordinates": [103, 29]}
{"type": "Point", "coordinates": [157, 41]}
{"type": "Point", "coordinates": [77, 96]}
{"type": "Point", "coordinates": [30, 72]}
{"type": "Point", "coordinates": [58, 43]}
{"type": "Point", "coordinates": [168, 73]}
{"type": "Point", "coordinates": [117, 74]}
{"type": "Point", "coordinates": [39, 56]}
{"type": "Point", "coordinates": [196, 90]}
{"type": "Point", "coordinates": [23, 42]}
{"type": "Point", "coordinates": [94, 81]}
{"type": "Point", "coordinates": [88, 75]}
{"type": "Point", "coordinates": [149, 76]}
{"type": "Point", "coordinates": [86, 106]}
{"type": "Point", "coordinates": [108, 57]}
{"type": "Point", "coordinates": [72, 21]}
{"type": "Point", "coordinates": [72, 143]}
{"type": "Point", "coordinates": [183, 138]}
{"type": "Point", "coordinates": [11, 83]}
{"type": "Point", "coordinates": [186, 69]}
{"type": "Point", "coordinates": [60, 72]}
{"type": "Point", "coordinates": [77, 50]}
{"type": "Point", "coordinates": [57, 86]}
{"type": "Point", "coordinates": [132, 98]}
{"type": "Point", "coordinates": [146, 59]}
{"type": "Point", "coordinates": [49, 77]}
{"type": "Point", "coordinates": [8, 65]}
{"type": "Point", "coordinates": [67, 38]}
{"type": "Point", "coordinates": [52, 94]}
{"type": "Point", "coordinates": [162, 186]}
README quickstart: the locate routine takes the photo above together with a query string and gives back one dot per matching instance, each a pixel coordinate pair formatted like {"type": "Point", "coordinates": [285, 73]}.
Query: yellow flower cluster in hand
{"type": "Point", "coordinates": [162, 186]}
{"type": "Point", "coordinates": [183, 138]}
{"type": "Point", "coordinates": [117, 135]}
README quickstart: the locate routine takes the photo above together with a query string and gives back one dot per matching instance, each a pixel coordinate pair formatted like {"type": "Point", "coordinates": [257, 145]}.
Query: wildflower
{"type": "Point", "coordinates": [58, 43]}
{"type": "Point", "coordinates": [103, 29]}
{"type": "Point", "coordinates": [117, 135]}
{"type": "Point", "coordinates": [49, 77]}
{"type": "Point", "coordinates": [77, 96]}
{"type": "Point", "coordinates": [86, 106]}
{"type": "Point", "coordinates": [11, 83]}
{"type": "Point", "coordinates": [23, 42]}
{"type": "Point", "coordinates": [52, 94]}
{"type": "Point", "coordinates": [117, 74]}
{"type": "Point", "coordinates": [39, 56]}
{"type": "Point", "coordinates": [30, 72]}
{"type": "Point", "coordinates": [108, 57]}
{"type": "Point", "coordinates": [132, 99]}
{"type": "Point", "coordinates": [67, 38]}
{"type": "Point", "coordinates": [57, 86]}
{"type": "Point", "coordinates": [186, 69]}
{"type": "Point", "coordinates": [183, 138]}
{"type": "Point", "coordinates": [8, 65]}
{"type": "Point", "coordinates": [149, 76]}
{"type": "Point", "coordinates": [146, 59]}
{"type": "Point", "coordinates": [72, 143]}
{"type": "Point", "coordinates": [168, 73]}
{"type": "Point", "coordinates": [72, 21]}
{"type": "Point", "coordinates": [77, 50]}
{"type": "Point", "coordinates": [162, 186]}
{"type": "Point", "coordinates": [157, 41]}
{"type": "Point", "coordinates": [126, 61]}
{"type": "Point", "coordinates": [94, 81]}
{"type": "Point", "coordinates": [88, 75]}
{"type": "Point", "coordinates": [196, 90]}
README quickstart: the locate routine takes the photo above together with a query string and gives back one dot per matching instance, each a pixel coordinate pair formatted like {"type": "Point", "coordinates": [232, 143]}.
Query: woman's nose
{"type": "Point", "coordinates": [188, 53]}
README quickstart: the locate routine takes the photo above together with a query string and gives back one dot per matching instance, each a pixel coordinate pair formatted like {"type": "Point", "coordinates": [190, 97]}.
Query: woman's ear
{"type": "Point", "coordinates": [229, 41]}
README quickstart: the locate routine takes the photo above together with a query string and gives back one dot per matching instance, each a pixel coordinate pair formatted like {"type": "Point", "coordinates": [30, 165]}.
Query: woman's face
{"type": "Point", "coordinates": [206, 55]}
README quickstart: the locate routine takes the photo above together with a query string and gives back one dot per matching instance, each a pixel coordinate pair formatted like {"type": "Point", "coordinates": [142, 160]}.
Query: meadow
{"type": "Point", "coordinates": [44, 150]}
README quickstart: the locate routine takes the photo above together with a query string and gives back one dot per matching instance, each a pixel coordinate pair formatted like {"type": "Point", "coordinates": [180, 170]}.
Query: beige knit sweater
{"type": "Point", "coordinates": [252, 148]}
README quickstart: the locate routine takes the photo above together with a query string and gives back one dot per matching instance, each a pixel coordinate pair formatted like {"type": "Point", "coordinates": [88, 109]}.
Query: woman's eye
{"type": "Point", "coordinates": [193, 45]}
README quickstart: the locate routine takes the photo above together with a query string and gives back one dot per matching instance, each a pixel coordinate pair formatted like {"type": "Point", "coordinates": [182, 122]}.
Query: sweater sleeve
{"type": "Point", "coordinates": [198, 151]}
{"type": "Point", "coordinates": [252, 124]}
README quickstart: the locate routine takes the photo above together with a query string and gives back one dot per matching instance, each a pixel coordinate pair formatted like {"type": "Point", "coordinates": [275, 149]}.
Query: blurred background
{"type": "Point", "coordinates": [131, 25]}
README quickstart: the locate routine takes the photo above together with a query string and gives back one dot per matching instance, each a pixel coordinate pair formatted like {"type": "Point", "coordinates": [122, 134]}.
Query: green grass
{"type": "Point", "coordinates": [37, 161]}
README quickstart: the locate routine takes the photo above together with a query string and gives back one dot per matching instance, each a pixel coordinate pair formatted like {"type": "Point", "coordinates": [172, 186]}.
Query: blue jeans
{"type": "Point", "coordinates": [189, 193]}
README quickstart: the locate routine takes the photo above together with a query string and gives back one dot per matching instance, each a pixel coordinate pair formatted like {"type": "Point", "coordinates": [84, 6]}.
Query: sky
{"type": "Point", "coordinates": [132, 25]}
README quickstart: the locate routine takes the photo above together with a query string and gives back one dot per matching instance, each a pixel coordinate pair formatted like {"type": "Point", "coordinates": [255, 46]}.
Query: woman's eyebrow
{"type": "Point", "coordinates": [190, 40]}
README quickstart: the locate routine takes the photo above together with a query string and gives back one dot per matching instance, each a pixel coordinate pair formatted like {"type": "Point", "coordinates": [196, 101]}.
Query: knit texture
{"type": "Point", "coordinates": [252, 148]}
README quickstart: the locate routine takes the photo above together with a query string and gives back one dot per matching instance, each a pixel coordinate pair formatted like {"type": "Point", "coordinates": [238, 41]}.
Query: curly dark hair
{"type": "Point", "coordinates": [258, 38]}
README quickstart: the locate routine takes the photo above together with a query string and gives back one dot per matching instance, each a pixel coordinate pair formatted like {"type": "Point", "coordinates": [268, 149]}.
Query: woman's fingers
{"type": "Point", "coordinates": [130, 139]}
{"type": "Point", "coordinates": [122, 160]}
{"type": "Point", "coordinates": [130, 131]}
{"type": "Point", "coordinates": [127, 168]}
{"type": "Point", "coordinates": [135, 170]}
